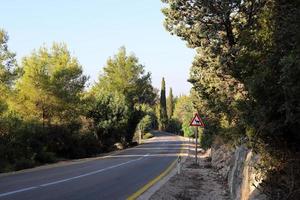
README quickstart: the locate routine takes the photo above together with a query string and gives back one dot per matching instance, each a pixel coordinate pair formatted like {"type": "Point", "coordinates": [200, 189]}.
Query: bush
{"type": "Point", "coordinates": [187, 130]}
{"type": "Point", "coordinates": [109, 113]}
{"type": "Point", "coordinates": [45, 157]}
{"type": "Point", "coordinates": [206, 139]}
{"type": "Point", "coordinates": [24, 163]}
{"type": "Point", "coordinates": [174, 126]}
{"type": "Point", "coordinates": [146, 123]}
{"type": "Point", "coordinates": [90, 143]}
{"type": "Point", "coordinates": [30, 144]}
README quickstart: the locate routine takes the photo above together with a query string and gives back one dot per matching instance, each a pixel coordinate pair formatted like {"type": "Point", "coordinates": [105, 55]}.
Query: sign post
{"type": "Point", "coordinates": [196, 148]}
{"type": "Point", "coordinates": [196, 121]}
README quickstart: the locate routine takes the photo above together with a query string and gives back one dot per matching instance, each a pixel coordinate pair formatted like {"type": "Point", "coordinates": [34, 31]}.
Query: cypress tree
{"type": "Point", "coordinates": [163, 120]}
{"type": "Point", "coordinates": [170, 104]}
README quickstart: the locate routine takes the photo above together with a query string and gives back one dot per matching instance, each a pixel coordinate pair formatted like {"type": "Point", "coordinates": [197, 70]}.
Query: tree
{"type": "Point", "coordinates": [110, 116]}
{"type": "Point", "coordinates": [124, 75]}
{"type": "Point", "coordinates": [218, 30]}
{"type": "Point", "coordinates": [163, 118]}
{"type": "Point", "coordinates": [50, 88]}
{"type": "Point", "coordinates": [215, 29]}
{"type": "Point", "coordinates": [245, 73]}
{"type": "Point", "coordinates": [184, 112]}
{"type": "Point", "coordinates": [170, 104]}
{"type": "Point", "coordinates": [7, 76]}
{"type": "Point", "coordinates": [7, 61]}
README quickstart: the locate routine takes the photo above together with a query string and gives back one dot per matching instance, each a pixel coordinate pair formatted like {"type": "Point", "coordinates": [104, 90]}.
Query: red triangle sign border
{"type": "Point", "coordinates": [199, 121]}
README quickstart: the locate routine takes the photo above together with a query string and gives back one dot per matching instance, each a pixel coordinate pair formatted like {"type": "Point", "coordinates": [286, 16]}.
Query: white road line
{"type": "Point", "coordinates": [16, 191]}
{"type": "Point", "coordinates": [72, 178]}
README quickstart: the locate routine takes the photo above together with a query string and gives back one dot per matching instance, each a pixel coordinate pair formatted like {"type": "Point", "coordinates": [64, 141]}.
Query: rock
{"type": "Point", "coordinates": [221, 159]}
{"type": "Point", "coordinates": [237, 167]}
{"type": "Point", "coordinates": [236, 174]}
{"type": "Point", "coordinates": [118, 146]}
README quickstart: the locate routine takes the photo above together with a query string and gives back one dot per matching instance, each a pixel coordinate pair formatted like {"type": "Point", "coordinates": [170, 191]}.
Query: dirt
{"type": "Point", "coordinates": [196, 181]}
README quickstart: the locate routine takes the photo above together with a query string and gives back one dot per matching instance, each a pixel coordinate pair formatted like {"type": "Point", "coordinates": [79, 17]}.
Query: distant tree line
{"type": "Point", "coordinates": [47, 113]}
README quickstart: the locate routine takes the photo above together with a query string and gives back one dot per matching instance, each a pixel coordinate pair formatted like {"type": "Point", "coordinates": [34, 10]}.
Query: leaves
{"type": "Point", "coordinates": [51, 86]}
{"type": "Point", "coordinates": [244, 75]}
{"type": "Point", "coordinates": [124, 76]}
{"type": "Point", "coordinates": [163, 115]}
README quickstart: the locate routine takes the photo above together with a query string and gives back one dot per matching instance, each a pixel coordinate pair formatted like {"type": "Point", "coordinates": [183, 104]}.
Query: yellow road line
{"type": "Point", "coordinates": [153, 181]}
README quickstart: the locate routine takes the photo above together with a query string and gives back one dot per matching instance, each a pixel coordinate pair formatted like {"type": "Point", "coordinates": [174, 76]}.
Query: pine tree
{"type": "Point", "coordinates": [123, 74]}
{"type": "Point", "coordinates": [170, 104]}
{"type": "Point", "coordinates": [50, 87]}
{"type": "Point", "coordinates": [163, 119]}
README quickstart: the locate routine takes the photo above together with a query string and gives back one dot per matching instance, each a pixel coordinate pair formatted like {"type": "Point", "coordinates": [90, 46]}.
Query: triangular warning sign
{"type": "Point", "coordinates": [197, 121]}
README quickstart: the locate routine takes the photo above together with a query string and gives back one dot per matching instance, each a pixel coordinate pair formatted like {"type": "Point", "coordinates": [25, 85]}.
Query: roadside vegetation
{"type": "Point", "coordinates": [245, 79]}
{"type": "Point", "coordinates": [47, 113]}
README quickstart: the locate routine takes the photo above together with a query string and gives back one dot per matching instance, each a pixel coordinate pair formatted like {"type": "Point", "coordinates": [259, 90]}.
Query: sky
{"type": "Point", "coordinates": [95, 29]}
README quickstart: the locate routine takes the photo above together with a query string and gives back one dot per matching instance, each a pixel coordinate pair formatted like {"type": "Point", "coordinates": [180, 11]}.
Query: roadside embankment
{"type": "Point", "coordinates": [194, 182]}
{"type": "Point", "coordinates": [237, 167]}
{"type": "Point", "coordinates": [222, 173]}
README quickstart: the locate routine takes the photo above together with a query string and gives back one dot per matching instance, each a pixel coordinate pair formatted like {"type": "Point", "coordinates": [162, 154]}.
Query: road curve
{"type": "Point", "coordinates": [116, 176]}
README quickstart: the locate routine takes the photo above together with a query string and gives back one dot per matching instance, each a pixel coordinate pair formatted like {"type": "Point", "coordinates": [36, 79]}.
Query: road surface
{"type": "Point", "coordinates": [116, 176]}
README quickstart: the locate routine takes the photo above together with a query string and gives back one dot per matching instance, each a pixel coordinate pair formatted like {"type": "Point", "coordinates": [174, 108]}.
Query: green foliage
{"type": "Point", "coordinates": [124, 75]}
{"type": "Point", "coordinates": [40, 111]}
{"type": "Point", "coordinates": [183, 113]}
{"type": "Point", "coordinates": [27, 144]}
{"type": "Point", "coordinates": [50, 87]}
{"type": "Point", "coordinates": [205, 138]}
{"type": "Point", "coordinates": [174, 126]}
{"type": "Point", "coordinates": [245, 75]}
{"type": "Point", "coordinates": [42, 119]}
{"type": "Point", "coordinates": [7, 61]}
{"type": "Point", "coordinates": [170, 104]}
{"type": "Point", "coordinates": [7, 76]}
{"type": "Point", "coordinates": [163, 115]}
{"type": "Point", "coordinates": [187, 130]}
{"type": "Point", "coordinates": [110, 117]}
{"type": "Point", "coordinates": [45, 114]}
{"type": "Point", "coordinates": [147, 123]}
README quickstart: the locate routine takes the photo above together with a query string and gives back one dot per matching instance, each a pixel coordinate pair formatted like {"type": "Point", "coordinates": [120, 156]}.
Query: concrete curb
{"type": "Point", "coordinates": [159, 184]}
{"type": "Point", "coordinates": [149, 192]}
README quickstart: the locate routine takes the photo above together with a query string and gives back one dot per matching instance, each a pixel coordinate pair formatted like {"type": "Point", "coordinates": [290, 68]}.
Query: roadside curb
{"type": "Point", "coordinates": [152, 186]}
{"type": "Point", "coordinates": [138, 194]}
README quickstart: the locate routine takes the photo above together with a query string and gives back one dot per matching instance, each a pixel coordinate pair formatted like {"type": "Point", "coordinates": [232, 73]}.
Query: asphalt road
{"type": "Point", "coordinates": [116, 176]}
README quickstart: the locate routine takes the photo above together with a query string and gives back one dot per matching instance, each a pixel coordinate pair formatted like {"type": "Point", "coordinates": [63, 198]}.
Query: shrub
{"type": "Point", "coordinates": [187, 130]}
{"type": "Point", "coordinates": [174, 126]}
{"type": "Point", "coordinates": [24, 163]}
{"type": "Point", "coordinates": [45, 157]}
{"type": "Point", "coordinates": [146, 123]}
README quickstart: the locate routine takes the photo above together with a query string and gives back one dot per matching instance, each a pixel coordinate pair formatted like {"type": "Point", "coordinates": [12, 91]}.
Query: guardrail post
{"type": "Point", "coordinates": [179, 165]}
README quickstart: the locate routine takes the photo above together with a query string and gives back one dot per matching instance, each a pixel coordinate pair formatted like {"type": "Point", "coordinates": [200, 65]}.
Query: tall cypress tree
{"type": "Point", "coordinates": [163, 119]}
{"type": "Point", "coordinates": [170, 104]}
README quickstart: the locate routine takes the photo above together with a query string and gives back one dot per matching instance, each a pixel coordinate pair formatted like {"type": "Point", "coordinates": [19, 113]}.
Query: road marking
{"type": "Point", "coordinates": [152, 182]}
{"type": "Point", "coordinates": [72, 178]}
{"type": "Point", "coordinates": [16, 191]}
{"type": "Point", "coordinates": [155, 180]}
{"type": "Point", "coordinates": [91, 173]}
